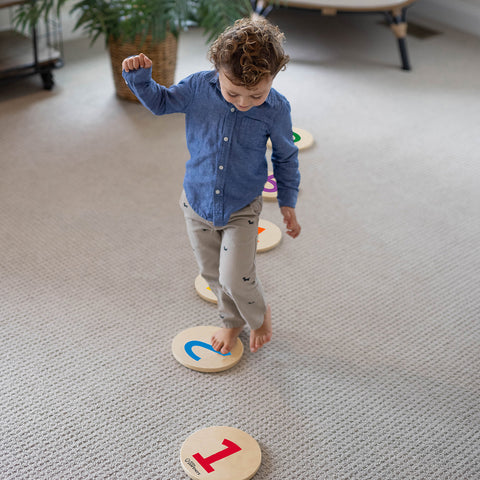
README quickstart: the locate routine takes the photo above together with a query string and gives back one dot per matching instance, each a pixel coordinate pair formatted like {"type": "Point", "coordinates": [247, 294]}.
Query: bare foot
{"type": "Point", "coordinates": [224, 339]}
{"type": "Point", "coordinates": [262, 335]}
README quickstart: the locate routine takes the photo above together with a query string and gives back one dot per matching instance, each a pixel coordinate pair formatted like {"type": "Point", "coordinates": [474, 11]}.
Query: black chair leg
{"type": "Point", "coordinates": [261, 7]}
{"type": "Point", "coordinates": [398, 23]}
{"type": "Point", "coordinates": [402, 46]}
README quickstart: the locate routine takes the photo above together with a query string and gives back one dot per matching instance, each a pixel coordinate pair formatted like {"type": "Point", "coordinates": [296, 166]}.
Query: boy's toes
{"type": "Point", "coordinates": [216, 344]}
{"type": "Point", "coordinates": [258, 342]}
{"type": "Point", "coordinates": [225, 349]}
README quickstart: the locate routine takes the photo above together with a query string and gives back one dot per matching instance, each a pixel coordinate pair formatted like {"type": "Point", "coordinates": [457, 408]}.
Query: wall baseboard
{"type": "Point", "coordinates": [459, 14]}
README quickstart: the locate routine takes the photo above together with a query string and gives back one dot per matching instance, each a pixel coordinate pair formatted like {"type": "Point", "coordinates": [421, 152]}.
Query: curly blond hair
{"type": "Point", "coordinates": [249, 51]}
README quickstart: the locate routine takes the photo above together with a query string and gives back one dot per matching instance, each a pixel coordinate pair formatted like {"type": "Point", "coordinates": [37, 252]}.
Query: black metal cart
{"type": "Point", "coordinates": [39, 52]}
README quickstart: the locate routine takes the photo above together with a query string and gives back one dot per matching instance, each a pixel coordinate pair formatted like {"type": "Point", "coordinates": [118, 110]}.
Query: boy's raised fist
{"type": "Point", "coordinates": [136, 62]}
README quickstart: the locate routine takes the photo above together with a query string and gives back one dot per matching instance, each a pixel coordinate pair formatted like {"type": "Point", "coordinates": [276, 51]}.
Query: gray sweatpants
{"type": "Point", "coordinates": [226, 259]}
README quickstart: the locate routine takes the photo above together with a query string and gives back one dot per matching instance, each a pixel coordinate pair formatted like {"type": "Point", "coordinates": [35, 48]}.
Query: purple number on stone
{"type": "Point", "coordinates": [271, 180]}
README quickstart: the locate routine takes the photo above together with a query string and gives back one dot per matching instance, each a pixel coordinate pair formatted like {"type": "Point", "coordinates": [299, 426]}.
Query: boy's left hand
{"type": "Point", "coordinates": [290, 220]}
{"type": "Point", "coordinates": [136, 62]}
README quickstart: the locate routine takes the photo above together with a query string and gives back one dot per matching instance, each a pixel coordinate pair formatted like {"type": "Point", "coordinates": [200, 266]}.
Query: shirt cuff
{"type": "Point", "coordinates": [287, 198]}
{"type": "Point", "coordinates": [141, 75]}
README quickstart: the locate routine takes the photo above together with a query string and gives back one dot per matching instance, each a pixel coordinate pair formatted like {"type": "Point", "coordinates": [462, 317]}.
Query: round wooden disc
{"type": "Point", "coordinates": [301, 138]}
{"type": "Point", "coordinates": [193, 349]}
{"type": "Point", "coordinates": [269, 235]}
{"type": "Point", "coordinates": [220, 453]}
{"type": "Point", "coordinates": [270, 189]}
{"type": "Point", "coordinates": [205, 292]}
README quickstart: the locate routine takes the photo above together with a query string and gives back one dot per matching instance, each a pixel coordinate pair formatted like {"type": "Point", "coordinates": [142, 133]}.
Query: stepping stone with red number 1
{"type": "Point", "coordinates": [220, 453]}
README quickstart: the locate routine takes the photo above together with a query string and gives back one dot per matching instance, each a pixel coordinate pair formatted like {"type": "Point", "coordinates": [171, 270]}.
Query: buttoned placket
{"type": "Point", "coordinates": [226, 136]}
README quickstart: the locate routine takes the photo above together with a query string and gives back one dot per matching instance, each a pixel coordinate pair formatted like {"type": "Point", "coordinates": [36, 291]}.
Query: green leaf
{"type": "Point", "coordinates": [131, 18]}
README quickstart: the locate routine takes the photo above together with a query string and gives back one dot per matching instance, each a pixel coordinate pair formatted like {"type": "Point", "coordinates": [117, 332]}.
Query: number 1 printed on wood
{"type": "Point", "coordinates": [206, 463]}
{"type": "Point", "coordinates": [220, 453]}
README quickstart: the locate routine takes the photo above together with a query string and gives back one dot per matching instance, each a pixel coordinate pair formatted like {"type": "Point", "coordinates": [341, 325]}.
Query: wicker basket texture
{"type": "Point", "coordinates": [163, 55]}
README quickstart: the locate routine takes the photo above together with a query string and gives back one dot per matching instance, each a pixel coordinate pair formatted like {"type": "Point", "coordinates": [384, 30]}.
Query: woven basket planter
{"type": "Point", "coordinates": [163, 55]}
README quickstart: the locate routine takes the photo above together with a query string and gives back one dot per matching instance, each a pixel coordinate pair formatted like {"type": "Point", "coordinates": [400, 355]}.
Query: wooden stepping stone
{"type": "Point", "coordinates": [193, 349]}
{"type": "Point", "coordinates": [220, 453]}
{"type": "Point", "coordinates": [301, 138]}
{"type": "Point", "coordinates": [204, 291]}
{"type": "Point", "coordinates": [269, 235]}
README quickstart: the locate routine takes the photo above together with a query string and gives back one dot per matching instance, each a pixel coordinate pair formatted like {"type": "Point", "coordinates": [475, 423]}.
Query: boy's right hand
{"type": "Point", "coordinates": [136, 62]}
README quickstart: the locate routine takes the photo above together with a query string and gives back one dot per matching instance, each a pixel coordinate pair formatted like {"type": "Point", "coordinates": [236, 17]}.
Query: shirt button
{"type": "Point", "coordinates": [217, 192]}
{"type": "Point", "coordinates": [232, 109]}
{"type": "Point", "coordinates": [225, 139]}
{"type": "Point", "coordinates": [220, 167]}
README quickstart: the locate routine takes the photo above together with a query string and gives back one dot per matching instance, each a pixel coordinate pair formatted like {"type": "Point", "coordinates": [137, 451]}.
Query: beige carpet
{"type": "Point", "coordinates": [373, 371]}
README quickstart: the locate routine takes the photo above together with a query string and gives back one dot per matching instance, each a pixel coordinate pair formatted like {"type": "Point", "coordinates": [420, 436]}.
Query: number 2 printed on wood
{"type": "Point", "coordinates": [196, 343]}
{"type": "Point", "coordinates": [193, 349]}
{"type": "Point", "coordinates": [206, 463]}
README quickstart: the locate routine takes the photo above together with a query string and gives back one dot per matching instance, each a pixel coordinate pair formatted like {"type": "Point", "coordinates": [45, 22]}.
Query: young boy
{"type": "Point", "coordinates": [230, 113]}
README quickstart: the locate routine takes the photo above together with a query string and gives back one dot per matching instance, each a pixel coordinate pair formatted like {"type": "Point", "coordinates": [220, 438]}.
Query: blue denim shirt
{"type": "Point", "coordinates": [227, 168]}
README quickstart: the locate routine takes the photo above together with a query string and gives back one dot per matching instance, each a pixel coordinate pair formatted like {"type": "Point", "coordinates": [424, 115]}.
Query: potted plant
{"type": "Point", "coordinates": [130, 26]}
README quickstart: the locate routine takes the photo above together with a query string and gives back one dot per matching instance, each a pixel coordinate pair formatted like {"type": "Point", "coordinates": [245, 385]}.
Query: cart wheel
{"type": "Point", "coordinates": [47, 79]}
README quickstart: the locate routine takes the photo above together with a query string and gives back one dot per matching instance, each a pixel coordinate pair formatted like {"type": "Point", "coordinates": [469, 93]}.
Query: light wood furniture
{"type": "Point", "coordinates": [393, 10]}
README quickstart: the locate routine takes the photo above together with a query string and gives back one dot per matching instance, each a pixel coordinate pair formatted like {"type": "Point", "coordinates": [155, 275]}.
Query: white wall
{"type": "Point", "coordinates": [460, 14]}
{"type": "Point", "coordinates": [4, 18]}
{"type": "Point", "coordinates": [68, 21]}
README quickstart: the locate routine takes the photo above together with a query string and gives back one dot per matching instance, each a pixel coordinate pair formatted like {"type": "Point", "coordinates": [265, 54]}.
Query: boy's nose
{"type": "Point", "coordinates": [242, 103]}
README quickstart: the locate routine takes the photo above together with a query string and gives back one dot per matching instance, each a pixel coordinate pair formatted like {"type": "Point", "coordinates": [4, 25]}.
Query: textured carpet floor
{"type": "Point", "coordinates": [373, 371]}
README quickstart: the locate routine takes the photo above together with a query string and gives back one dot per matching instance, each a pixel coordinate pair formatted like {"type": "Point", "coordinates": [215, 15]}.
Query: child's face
{"type": "Point", "coordinates": [244, 98]}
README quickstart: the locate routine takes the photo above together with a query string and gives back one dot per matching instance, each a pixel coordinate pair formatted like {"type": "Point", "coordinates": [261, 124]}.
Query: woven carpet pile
{"type": "Point", "coordinates": [373, 370]}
